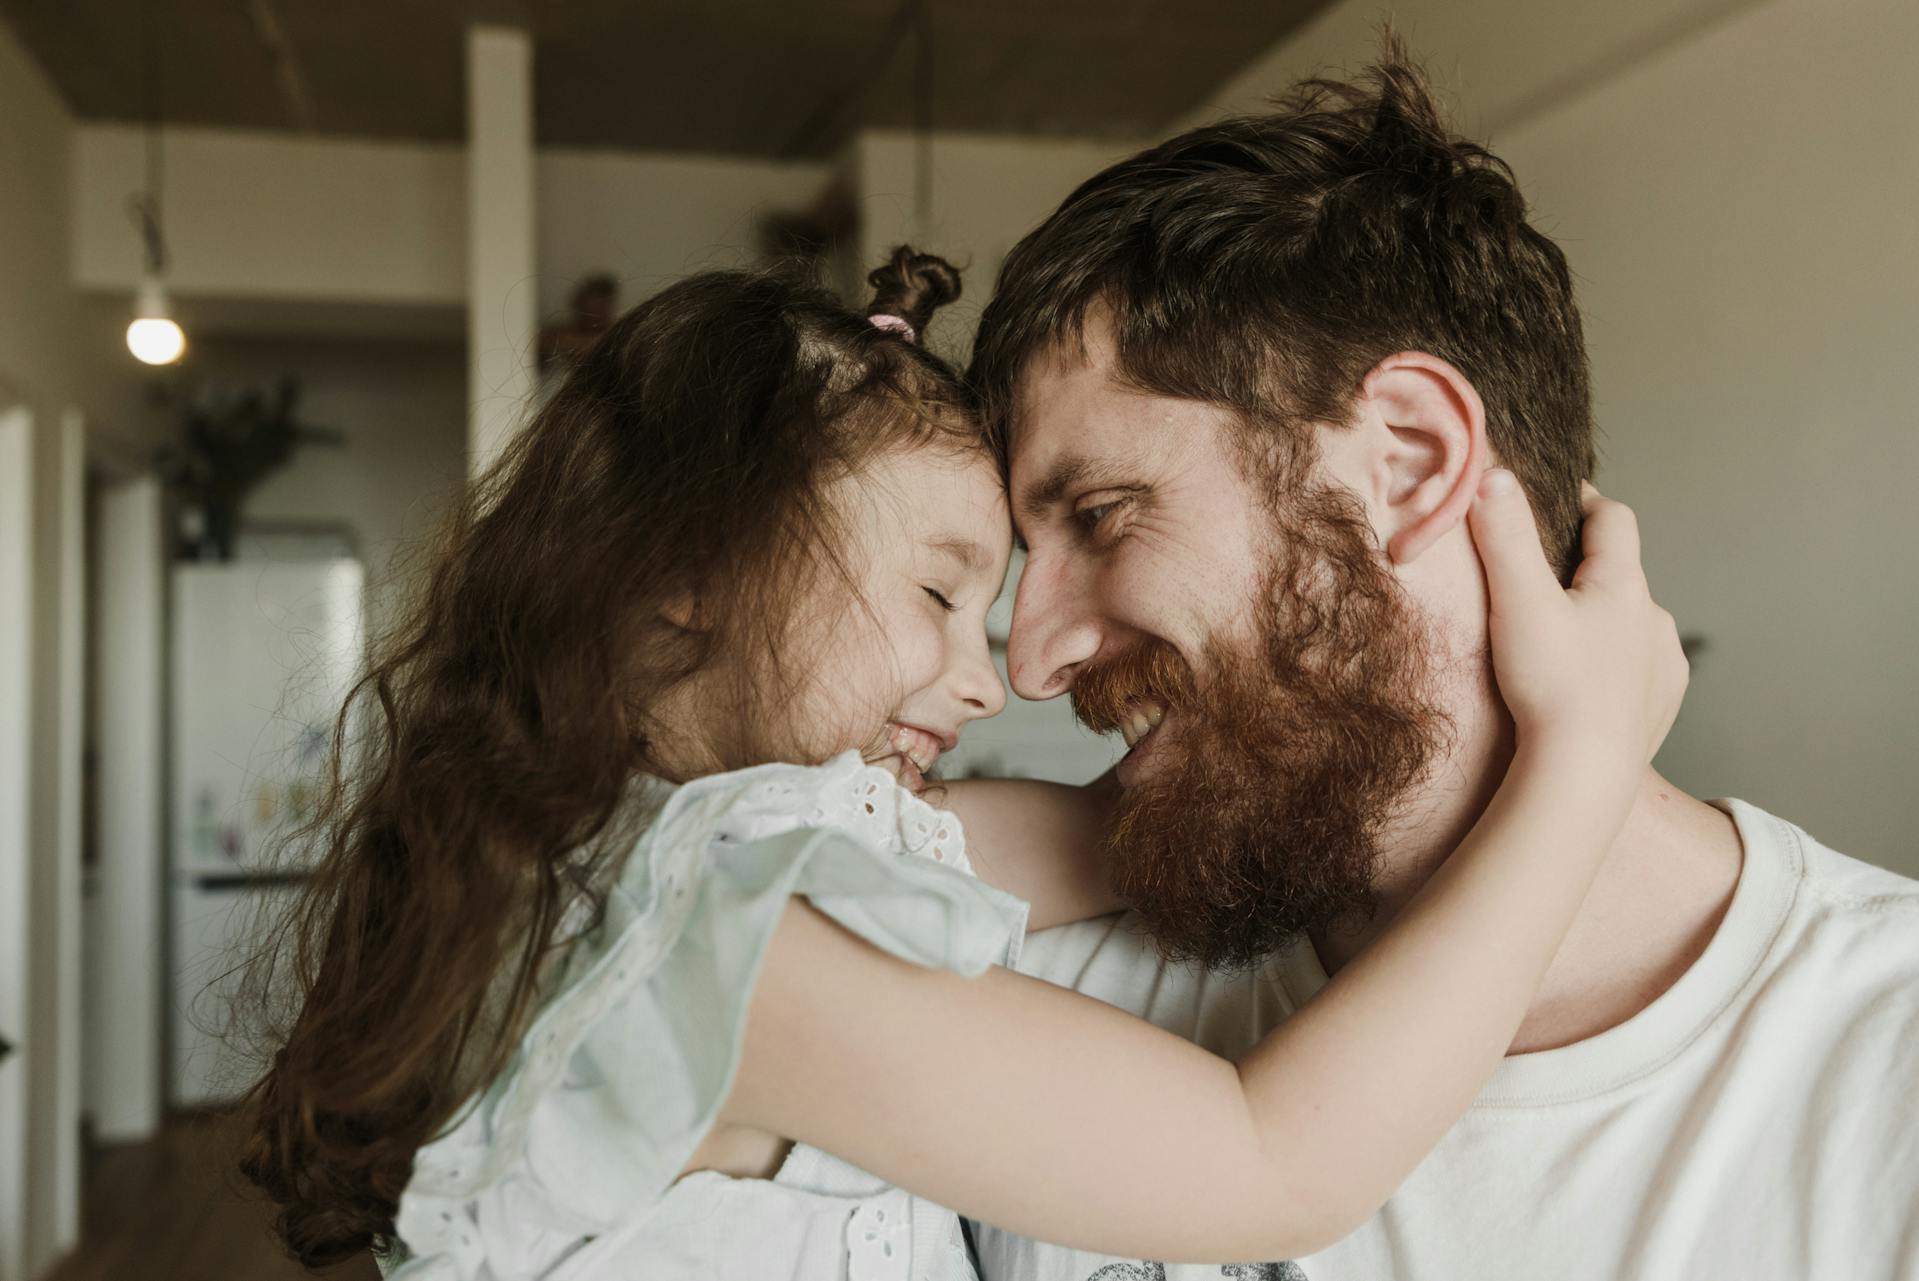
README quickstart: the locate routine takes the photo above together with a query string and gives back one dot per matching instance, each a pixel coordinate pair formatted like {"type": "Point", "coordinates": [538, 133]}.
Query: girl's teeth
{"type": "Point", "coordinates": [917, 747]}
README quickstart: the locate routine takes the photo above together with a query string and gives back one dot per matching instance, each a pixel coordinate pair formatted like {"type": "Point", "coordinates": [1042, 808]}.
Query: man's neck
{"type": "Point", "coordinates": [1654, 905]}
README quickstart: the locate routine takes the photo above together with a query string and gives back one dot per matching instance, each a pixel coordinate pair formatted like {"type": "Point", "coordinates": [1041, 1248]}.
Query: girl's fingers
{"type": "Point", "coordinates": [1609, 543]}
{"type": "Point", "coordinates": [1518, 578]}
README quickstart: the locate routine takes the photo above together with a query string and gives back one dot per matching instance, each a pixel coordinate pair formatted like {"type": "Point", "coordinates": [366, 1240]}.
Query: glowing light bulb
{"type": "Point", "coordinates": [153, 337]}
{"type": "Point", "coordinates": [156, 341]}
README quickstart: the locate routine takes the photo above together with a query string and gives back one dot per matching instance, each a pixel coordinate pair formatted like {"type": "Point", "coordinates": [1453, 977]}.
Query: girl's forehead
{"type": "Point", "coordinates": [936, 471]}
{"type": "Point", "coordinates": [940, 497]}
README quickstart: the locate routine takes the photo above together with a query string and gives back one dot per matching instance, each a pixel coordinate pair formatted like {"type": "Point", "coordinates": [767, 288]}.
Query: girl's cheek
{"type": "Point", "coordinates": [941, 647]}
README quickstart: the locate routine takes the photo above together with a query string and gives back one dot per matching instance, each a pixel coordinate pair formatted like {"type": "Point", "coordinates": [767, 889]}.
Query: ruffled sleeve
{"type": "Point", "coordinates": [623, 1071]}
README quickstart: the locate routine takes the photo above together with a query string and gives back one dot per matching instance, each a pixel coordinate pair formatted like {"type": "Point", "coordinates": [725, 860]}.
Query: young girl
{"type": "Point", "coordinates": [585, 961]}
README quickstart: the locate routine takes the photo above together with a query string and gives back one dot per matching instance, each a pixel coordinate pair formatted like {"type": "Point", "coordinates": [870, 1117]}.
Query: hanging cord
{"type": "Point", "coordinates": [146, 216]}
{"type": "Point", "coordinates": [821, 126]}
{"type": "Point", "coordinates": [286, 67]}
{"type": "Point", "coordinates": [923, 120]}
{"type": "Point", "coordinates": [145, 207]}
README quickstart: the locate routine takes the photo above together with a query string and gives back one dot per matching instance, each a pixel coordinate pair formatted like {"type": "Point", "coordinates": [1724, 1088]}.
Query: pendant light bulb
{"type": "Point", "coordinates": [153, 337]}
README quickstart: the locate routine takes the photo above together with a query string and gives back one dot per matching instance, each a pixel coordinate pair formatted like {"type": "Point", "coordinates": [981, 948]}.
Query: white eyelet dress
{"type": "Point", "coordinates": [564, 1167]}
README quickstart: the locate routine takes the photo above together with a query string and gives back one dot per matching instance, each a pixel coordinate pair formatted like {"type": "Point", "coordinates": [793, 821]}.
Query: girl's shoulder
{"type": "Point", "coordinates": [845, 795]}
{"type": "Point", "coordinates": [626, 1065]}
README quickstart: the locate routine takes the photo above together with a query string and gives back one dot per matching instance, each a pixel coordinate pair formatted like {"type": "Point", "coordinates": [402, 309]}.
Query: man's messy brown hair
{"type": "Point", "coordinates": [1265, 264]}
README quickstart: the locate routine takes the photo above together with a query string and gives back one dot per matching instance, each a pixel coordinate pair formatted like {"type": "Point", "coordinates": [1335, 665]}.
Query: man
{"type": "Point", "coordinates": [1247, 383]}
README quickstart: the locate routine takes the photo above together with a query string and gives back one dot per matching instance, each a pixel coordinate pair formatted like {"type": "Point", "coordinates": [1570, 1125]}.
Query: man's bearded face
{"type": "Point", "coordinates": [1285, 758]}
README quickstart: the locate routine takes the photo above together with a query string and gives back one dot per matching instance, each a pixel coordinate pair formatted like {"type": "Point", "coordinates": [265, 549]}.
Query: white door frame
{"type": "Point", "coordinates": [42, 669]}
{"type": "Point", "coordinates": [16, 830]}
{"type": "Point", "coordinates": [126, 965]}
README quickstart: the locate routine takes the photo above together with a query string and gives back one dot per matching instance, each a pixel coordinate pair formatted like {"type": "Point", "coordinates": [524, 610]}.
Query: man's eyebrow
{"type": "Point", "coordinates": [1067, 471]}
{"type": "Point", "coordinates": [968, 552]}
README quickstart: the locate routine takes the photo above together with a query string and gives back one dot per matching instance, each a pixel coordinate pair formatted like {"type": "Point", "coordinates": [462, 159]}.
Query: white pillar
{"type": "Point", "coordinates": [501, 298]}
{"type": "Point", "coordinates": [125, 963]}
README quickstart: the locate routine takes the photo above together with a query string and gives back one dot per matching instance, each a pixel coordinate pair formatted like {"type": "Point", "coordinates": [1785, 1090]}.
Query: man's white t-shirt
{"type": "Point", "coordinates": [1757, 1122]}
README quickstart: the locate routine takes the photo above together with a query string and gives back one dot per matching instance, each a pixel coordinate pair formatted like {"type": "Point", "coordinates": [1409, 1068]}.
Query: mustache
{"type": "Point", "coordinates": [1104, 692]}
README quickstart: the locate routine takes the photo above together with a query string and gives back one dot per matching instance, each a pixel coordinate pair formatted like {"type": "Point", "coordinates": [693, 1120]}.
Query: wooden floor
{"type": "Point", "coordinates": [176, 1209]}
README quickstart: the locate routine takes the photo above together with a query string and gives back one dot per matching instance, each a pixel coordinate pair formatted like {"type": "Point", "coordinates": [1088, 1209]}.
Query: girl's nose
{"type": "Point", "coordinates": [979, 686]}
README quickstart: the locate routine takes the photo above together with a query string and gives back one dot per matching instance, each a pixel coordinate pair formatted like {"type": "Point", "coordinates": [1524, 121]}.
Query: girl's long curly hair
{"type": "Point", "coordinates": [475, 801]}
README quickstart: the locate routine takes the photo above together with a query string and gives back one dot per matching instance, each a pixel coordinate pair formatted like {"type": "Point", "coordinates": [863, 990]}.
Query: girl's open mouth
{"type": "Point", "coordinates": [915, 749]}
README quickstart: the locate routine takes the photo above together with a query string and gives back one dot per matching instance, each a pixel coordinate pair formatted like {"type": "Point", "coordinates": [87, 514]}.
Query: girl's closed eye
{"type": "Point", "coordinates": [941, 597]}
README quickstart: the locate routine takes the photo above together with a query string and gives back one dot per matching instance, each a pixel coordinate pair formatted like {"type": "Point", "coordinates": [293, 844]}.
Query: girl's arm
{"type": "Point", "coordinates": [1044, 842]}
{"type": "Point", "coordinates": [1062, 1118]}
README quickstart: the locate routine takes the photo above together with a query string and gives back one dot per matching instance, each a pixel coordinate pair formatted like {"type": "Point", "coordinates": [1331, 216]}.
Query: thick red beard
{"type": "Point", "coordinates": [1262, 816]}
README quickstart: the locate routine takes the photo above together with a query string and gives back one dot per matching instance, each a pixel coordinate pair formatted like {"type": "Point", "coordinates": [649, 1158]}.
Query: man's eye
{"type": "Point", "coordinates": [945, 604]}
{"type": "Point", "coordinates": [1091, 518]}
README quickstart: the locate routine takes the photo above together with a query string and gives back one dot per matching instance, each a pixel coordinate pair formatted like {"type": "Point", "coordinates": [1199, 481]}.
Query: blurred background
{"type": "Point", "coordinates": [358, 239]}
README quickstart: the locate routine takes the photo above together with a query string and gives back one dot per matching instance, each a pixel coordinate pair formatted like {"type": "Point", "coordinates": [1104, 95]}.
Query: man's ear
{"type": "Point", "coordinates": [1431, 451]}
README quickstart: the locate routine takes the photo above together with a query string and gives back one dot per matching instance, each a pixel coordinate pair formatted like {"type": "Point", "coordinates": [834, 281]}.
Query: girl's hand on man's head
{"type": "Point", "coordinates": [1597, 663]}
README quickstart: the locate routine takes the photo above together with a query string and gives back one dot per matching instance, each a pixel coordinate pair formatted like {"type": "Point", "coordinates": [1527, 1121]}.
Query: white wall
{"type": "Point", "coordinates": [252, 215]}
{"type": "Point", "coordinates": [650, 219]}
{"type": "Point", "coordinates": [403, 409]}
{"type": "Point", "coordinates": [1497, 61]}
{"type": "Point", "coordinates": [41, 373]}
{"type": "Point", "coordinates": [37, 308]}
{"type": "Point", "coordinates": [502, 319]}
{"type": "Point", "coordinates": [1735, 185]}
{"type": "Point", "coordinates": [1743, 213]}
{"type": "Point", "coordinates": [271, 215]}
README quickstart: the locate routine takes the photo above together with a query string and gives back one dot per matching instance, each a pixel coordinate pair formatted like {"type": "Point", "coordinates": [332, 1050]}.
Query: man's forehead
{"type": "Point", "coordinates": [1059, 369]}
{"type": "Point", "coordinates": [1061, 396]}
{"type": "Point", "coordinates": [1079, 420]}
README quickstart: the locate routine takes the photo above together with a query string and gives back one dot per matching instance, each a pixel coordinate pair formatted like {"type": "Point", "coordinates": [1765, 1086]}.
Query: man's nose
{"type": "Point", "coordinates": [1053, 630]}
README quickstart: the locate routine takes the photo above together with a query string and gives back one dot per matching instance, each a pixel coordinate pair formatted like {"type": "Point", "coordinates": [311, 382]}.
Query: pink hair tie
{"type": "Point", "coordinates": [885, 320]}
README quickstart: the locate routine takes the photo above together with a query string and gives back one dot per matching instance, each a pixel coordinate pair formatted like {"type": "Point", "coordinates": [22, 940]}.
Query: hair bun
{"type": "Point", "coordinates": [912, 286]}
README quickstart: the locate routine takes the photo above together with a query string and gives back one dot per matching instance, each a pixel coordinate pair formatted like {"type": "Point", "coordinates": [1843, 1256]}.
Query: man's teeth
{"type": "Point", "coordinates": [1140, 721]}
